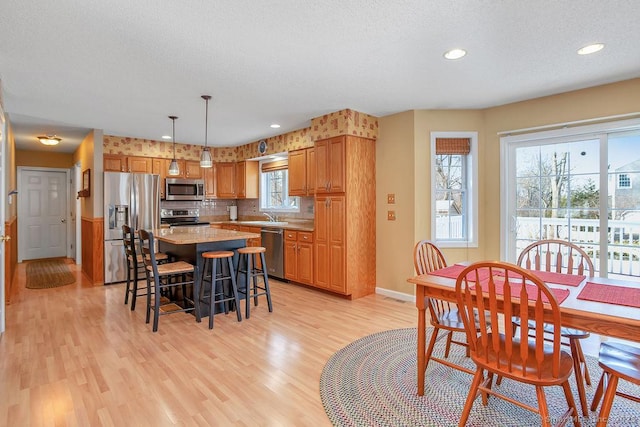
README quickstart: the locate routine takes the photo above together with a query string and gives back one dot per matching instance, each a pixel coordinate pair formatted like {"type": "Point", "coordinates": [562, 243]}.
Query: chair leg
{"type": "Point", "coordinates": [473, 393]}
{"type": "Point", "coordinates": [212, 294]}
{"type": "Point", "coordinates": [577, 370]}
{"type": "Point", "coordinates": [266, 282]}
{"type": "Point", "coordinates": [196, 291]}
{"type": "Point", "coordinates": [599, 391]}
{"type": "Point", "coordinates": [583, 363]}
{"type": "Point", "coordinates": [448, 346]}
{"type": "Point", "coordinates": [128, 286]}
{"type": "Point", "coordinates": [156, 309]}
{"type": "Point", "coordinates": [607, 402]}
{"type": "Point", "coordinates": [247, 287]}
{"type": "Point", "coordinates": [234, 289]}
{"type": "Point", "coordinates": [571, 403]}
{"type": "Point", "coordinates": [432, 342]}
{"type": "Point", "coordinates": [542, 407]}
{"type": "Point", "coordinates": [149, 299]}
{"type": "Point", "coordinates": [134, 291]}
{"type": "Point", "coordinates": [255, 279]}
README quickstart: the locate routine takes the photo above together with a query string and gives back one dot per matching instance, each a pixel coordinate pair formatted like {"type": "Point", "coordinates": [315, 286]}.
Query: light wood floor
{"type": "Point", "coordinates": [76, 355]}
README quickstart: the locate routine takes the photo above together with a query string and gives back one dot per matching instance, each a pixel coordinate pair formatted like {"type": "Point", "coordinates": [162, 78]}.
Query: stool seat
{"type": "Point", "coordinates": [217, 254]}
{"type": "Point", "coordinates": [252, 250]}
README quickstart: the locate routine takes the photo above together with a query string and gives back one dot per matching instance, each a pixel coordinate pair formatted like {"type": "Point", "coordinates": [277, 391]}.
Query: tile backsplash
{"type": "Point", "coordinates": [247, 209]}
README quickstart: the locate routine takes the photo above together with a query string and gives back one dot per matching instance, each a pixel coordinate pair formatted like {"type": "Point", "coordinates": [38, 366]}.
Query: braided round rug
{"type": "Point", "coordinates": [372, 382]}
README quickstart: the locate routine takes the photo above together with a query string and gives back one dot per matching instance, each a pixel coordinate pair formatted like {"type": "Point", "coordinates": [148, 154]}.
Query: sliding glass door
{"type": "Point", "coordinates": [580, 185]}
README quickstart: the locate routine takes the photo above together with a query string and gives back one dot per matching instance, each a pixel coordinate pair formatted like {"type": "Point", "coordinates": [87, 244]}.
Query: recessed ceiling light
{"type": "Point", "coordinates": [589, 49]}
{"type": "Point", "coordinates": [166, 136]}
{"type": "Point", "coordinates": [455, 53]}
{"type": "Point", "coordinates": [275, 126]}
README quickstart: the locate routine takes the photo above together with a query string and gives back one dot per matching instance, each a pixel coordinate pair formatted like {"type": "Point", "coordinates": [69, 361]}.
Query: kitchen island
{"type": "Point", "coordinates": [188, 244]}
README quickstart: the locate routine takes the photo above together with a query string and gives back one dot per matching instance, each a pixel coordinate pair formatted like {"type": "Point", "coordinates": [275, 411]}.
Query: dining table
{"type": "Point", "coordinates": [581, 305]}
{"type": "Point", "coordinates": [189, 243]}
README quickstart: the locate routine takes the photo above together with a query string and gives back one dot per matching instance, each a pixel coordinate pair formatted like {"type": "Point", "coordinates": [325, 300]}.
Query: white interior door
{"type": "Point", "coordinates": [42, 209]}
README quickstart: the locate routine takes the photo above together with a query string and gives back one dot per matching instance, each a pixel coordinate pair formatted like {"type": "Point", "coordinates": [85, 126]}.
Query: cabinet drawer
{"type": "Point", "coordinates": [290, 235]}
{"type": "Point", "coordinates": [305, 236]}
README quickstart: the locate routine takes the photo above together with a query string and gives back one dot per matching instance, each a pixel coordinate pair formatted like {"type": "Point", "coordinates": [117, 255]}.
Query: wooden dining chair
{"type": "Point", "coordinates": [492, 292]}
{"type": "Point", "coordinates": [427, 257]}
{"type": "Point", "coordinates": [618, 361]}
{"type": "Point", "coordinates": [560, 256]}
{"type": "Point", "coordinates": [163, 278]}
{"type": "Point", "coordinates": [135, 267]}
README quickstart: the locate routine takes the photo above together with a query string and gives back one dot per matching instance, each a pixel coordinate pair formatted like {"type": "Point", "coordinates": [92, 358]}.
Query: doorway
{"type": "Point", "coordinates": [581, 185]}
{"type": "Point", "coordinates": [42, 210]}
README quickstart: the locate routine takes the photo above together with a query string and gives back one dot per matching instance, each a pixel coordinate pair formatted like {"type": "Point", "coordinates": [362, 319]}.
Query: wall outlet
{"type": "Point", "coordinates": [391, 198]}
{"type": "Point", "coordinates": [391, 215]}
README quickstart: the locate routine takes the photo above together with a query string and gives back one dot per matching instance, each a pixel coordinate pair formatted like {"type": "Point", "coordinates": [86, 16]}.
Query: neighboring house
{"type": "Point", "coordinates": [625, 191]}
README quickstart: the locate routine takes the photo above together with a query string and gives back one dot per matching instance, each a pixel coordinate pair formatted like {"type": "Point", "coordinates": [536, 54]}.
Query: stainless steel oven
{"type": "Point", "coordinates": [184, 189]}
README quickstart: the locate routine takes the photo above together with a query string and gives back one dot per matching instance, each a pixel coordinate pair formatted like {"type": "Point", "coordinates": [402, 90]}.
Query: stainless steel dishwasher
{"type": "Point", "coordinates": [273, 242]}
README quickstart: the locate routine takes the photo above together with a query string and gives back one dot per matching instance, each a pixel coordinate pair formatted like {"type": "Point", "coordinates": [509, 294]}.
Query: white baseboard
{"type": "Point", "coordinates": [395, 295]}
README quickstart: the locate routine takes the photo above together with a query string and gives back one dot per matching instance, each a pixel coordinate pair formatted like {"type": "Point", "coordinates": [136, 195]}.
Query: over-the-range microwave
{"type": "Point", "coordinates": [184, 189]}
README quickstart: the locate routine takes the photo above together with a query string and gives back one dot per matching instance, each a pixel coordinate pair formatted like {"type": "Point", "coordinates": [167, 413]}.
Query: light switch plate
{"type": "Point", "coordinates": [391, 198]}
{"type": "Point", "coordinates": [391, 215]}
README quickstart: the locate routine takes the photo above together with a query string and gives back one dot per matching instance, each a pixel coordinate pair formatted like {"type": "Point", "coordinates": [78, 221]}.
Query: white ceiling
{"type": "Point", "coordinates": [123, 66]}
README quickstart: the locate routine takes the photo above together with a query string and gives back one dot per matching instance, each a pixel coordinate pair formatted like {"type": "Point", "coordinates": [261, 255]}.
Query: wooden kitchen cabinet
{"type": "Point", "coordinates": [237, 180]}
{"type": "Point", "coordinates": [298, 256]}
{"type": "Point", "coordinates": [114, 163]}
{"type": "Point", "coordinates": [209, 175]}
{"type": "Point", "coordinates": [192, 169]}
{"type": "Point", "coordinates": [138, 164]}
{"type": "Point", "coordinates": [160, 167]}
{"type": "Point", "coordinates": [345, 229]}
{"type": "Point", "coordinates": [330, 165]}
{"type": "Point", "coordinates": [330, 246]}
{"type": "Point", "coordinates": [247, 180]}
{"type": "Point", "coordinates": [226, 180]}
{"type": "Point", "coordinates": [302, 172]}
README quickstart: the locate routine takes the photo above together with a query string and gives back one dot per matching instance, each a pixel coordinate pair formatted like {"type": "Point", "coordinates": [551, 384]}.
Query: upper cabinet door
{"type": "Point", "coordinates": [192, 169]}
{"type": "Point", "coordinates": [226, 180]}
{"type": "Point", "coordinates": [330, 165]}
{"type": "Point", "coordinates": [114, 163]}
{"type": "Point", "coordinates": [210, 182]}
{"type": "Point", "coordinates": [298, 172]}
{"type": "Point", "coordinates": [140, 164]}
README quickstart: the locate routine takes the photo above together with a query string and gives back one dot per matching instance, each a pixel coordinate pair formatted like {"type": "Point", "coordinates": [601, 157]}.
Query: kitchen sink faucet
{"type": "Point", "coordinates": [272, 218]}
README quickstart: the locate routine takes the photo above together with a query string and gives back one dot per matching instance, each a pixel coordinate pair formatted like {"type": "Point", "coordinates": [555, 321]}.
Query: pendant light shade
{"type": "Point", "coordinates": [173, 166]}
{"type": "Point", "coordinates": [205, 157]}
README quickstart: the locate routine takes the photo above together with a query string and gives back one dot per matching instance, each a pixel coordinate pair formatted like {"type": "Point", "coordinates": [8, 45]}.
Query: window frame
{"type": "Point", "coordinates": [470, 214]}
{"type": "Point", "coordinates": [264, 193]}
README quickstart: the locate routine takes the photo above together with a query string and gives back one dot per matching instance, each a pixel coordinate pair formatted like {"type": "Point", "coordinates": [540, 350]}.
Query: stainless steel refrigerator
{"type": "Point", "coordinates": [132, 199]}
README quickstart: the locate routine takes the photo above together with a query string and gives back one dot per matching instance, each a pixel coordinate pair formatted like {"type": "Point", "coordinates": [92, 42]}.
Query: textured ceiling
{"type": "Point", "coordinates": [124, 66]}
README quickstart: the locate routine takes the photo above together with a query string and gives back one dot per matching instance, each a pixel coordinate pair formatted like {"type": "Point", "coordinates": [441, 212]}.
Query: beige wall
{"type": "Point", "coordinates": [89, 154]}
{"type": "Point", "coordinates": [403, 167]}
{"type": "Point", "coordinates": [44, 159]}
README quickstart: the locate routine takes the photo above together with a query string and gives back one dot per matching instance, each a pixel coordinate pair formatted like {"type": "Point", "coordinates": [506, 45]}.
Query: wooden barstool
{"type": "Point", "coordinates": [248, 265]}
{"type": "Point", "coordinates": [219, 293]}
{"type": "Point", "coordinates": [617, 361]}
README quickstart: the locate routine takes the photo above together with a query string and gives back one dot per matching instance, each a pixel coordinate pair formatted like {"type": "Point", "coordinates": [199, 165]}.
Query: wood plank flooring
{"type": "Point", "coordinates": [77, 356]}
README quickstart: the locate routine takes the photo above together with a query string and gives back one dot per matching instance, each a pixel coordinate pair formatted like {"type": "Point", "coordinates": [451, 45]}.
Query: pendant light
{"type": "Point", "coordinates": [173, 166]}
{"type": "Point", "coordinates": [205, 156]}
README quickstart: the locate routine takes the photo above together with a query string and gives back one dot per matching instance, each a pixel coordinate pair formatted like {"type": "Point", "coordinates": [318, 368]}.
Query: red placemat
{"type": "Point", "coordinates": [611, 294]}
{"type": "Point", "coordinates": [560, 294]}
{"type": "Point", "coordinates": [558, 278]}
{"type": "Point", "coordinates": [453, 271]}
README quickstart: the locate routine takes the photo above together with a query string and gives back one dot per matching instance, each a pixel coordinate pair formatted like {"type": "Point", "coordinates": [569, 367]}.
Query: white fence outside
{"type": "Point", "coordinates": [623, 257]}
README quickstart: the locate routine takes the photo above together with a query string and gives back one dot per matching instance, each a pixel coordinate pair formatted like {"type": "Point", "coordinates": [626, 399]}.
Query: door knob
{"type": "Point", "coordinates": [63, 220]}
{"type": "Point", "coordinates": [5, 238]}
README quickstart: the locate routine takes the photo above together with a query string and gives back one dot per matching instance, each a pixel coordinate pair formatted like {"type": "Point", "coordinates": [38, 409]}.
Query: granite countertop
{"type": "Point", "coordinates": [287, 225]}
{"type": "Point", "coordinates": [191, 235]}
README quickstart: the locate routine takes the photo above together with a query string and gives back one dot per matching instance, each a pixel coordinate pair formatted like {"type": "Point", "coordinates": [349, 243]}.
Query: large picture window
{"type": "Point", "coordinates": [575, 184]}
{"type": "Point", "coordinates": [453, 188]}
